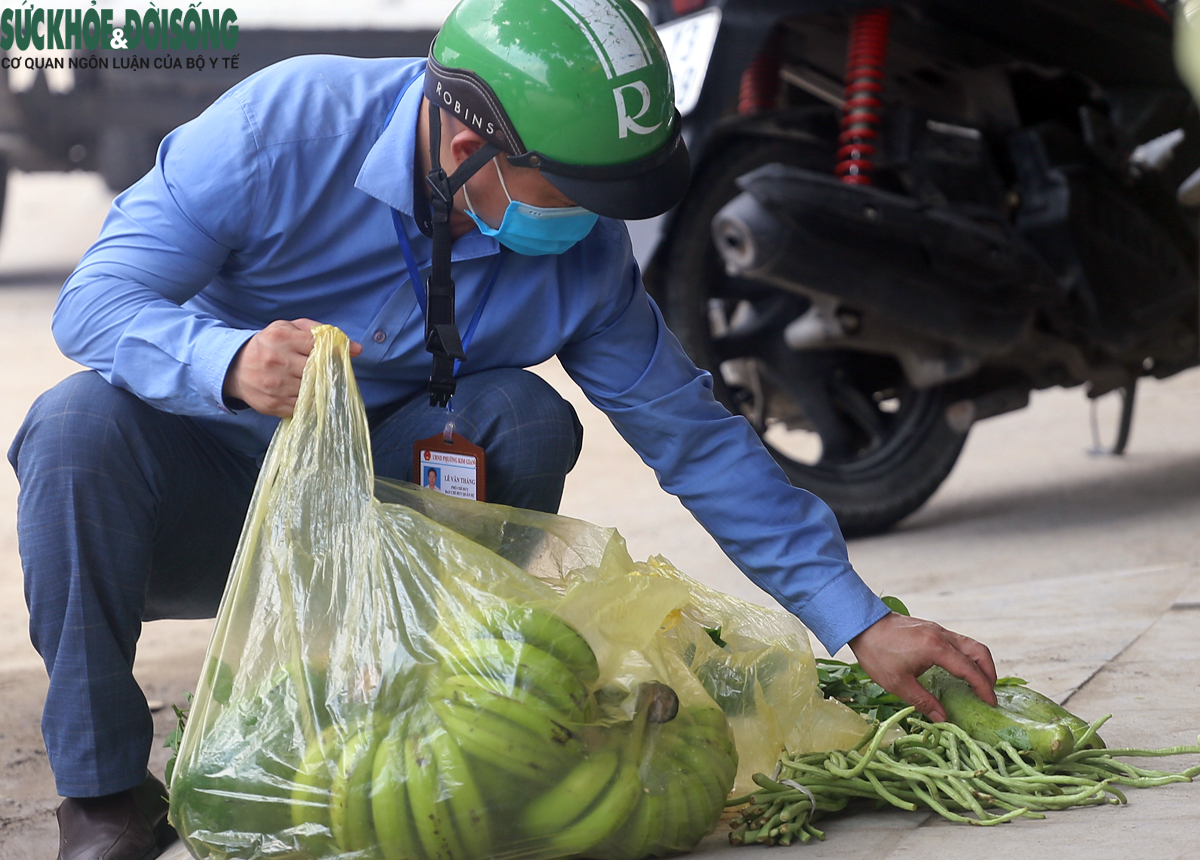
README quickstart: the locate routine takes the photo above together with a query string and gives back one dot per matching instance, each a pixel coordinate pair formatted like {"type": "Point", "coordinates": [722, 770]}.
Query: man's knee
{"type": "Point", "coordinates": [533, 423]}
{"type": "Point", "coordinates": [77, 422]}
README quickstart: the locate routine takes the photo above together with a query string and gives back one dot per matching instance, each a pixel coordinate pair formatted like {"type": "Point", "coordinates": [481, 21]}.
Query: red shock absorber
{"type": "Point", "coordinates": [759, 89]}
{"type": "Point", "coordinates": [865, 62]}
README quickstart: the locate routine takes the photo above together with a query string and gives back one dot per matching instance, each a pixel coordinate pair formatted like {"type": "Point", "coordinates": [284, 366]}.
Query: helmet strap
{"type": "Point", "coordinates": [442, 338]}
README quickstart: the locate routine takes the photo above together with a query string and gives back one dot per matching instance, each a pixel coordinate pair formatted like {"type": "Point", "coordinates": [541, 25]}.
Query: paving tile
{"type": "Point", "coordinates": [1149, 826]}
{"type": "Point", "coordinates": [1124, 592]}
{"type": "Point", "coordinates": [1176, 634]}
{"type": "Point", "coordinates": [1164, 679]}
{"type": "Point", "coordinates": [1191, 594]}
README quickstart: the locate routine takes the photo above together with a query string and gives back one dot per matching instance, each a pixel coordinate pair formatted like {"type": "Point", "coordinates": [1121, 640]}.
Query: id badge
{"type": "Point", "coordinates": [454, 467]}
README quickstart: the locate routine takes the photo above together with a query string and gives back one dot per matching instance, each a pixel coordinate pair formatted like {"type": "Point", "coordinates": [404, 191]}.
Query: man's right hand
{"type": "Point", "coordinates": [265, 374]}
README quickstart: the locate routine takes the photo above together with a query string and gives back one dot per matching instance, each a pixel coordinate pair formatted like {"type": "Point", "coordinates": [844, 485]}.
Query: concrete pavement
{"type": "Point", "coordinates": [1081, 573]}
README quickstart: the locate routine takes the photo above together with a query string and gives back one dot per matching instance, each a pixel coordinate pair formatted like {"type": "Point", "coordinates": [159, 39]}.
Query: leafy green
{"type": "Point", "coordinates": [850, 685]}
{"type": "Point", "coordinates": [176, 736]}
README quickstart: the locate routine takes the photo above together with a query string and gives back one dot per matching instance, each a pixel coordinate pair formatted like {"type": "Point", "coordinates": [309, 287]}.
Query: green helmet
{"type": "Point", "coordinates": [579, 89]}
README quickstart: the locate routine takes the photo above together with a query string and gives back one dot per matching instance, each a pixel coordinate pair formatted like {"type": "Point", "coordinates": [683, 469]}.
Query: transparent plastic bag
{"type": "Point", "coordinates": [398, 674]}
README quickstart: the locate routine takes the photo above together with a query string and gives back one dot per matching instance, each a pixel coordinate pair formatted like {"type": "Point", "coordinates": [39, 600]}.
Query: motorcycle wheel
{"type": "Point", "coordinates": [843, 424]}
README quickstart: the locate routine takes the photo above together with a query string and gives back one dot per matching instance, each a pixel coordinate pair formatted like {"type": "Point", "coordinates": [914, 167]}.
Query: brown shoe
{"type": "Point", "coordinates": [128, 825]}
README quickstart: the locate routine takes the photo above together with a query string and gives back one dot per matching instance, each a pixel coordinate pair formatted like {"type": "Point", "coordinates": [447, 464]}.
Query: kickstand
{"type": "Point", "coordinates": [1128, 393]}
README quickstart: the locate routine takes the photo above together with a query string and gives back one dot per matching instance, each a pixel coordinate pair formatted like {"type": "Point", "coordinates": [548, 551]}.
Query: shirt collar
{"type": "Point", "coordinates": [387, 173]}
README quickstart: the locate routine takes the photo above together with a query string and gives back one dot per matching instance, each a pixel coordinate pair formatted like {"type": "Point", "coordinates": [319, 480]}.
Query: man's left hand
{"type": "Point", "coordinates": [896, 649]}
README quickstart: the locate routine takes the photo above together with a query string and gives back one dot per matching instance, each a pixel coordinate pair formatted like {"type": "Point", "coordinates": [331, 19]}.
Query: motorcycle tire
{"type": "Point", "coordinates": [894, 445]}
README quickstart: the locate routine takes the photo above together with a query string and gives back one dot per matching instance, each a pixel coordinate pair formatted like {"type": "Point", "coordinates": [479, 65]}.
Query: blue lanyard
{"type": "Point", "coordinates": [414, 271]}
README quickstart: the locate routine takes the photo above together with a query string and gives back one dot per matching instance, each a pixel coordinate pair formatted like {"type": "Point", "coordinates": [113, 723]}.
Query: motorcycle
{"type": "Point", "coordinates": [907, 216]}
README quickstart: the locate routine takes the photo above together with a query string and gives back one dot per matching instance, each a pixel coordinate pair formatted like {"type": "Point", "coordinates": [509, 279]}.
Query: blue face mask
{"type": "Point", "coordinates": [534, 230]}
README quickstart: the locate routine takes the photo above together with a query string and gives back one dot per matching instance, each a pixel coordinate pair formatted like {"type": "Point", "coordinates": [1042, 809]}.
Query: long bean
{"type": "Point", "coordinates": [939, 767]}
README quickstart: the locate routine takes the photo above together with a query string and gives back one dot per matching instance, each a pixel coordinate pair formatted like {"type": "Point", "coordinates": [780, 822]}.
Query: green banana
{"type": "Point", "coordinates": [550, 731]}
{"type": "Point", "coordinates": [605, 816]}
{"type": "Point", "coordinates": [430, 810]}
{"type": "Point", "coordinates": [704, 789]}
{"type": "Point", "coordinates": [712, 760]}
{"type": "Point", "coordinates": [350, 793]}
{"type": "Point", "coordinates": [500, 742]}
{"type": "Point", "coordinates": [706, 716]}
{"type": "Point", "coordinates": [718, 742]}
{"type": "Point", "coordinates": [573, 795]}
{"type": "Point", "coordinates": [693, 772]}
{"type": "Point", "coordinates": [467, 806]}
{"type": "Point", "coordinates": [310, 794]}
{"type": "Point", "coordinates": [519, 664]}
{"type": "Point", "coordinates": [470, 683]}
{"type": "Point", "coordinates": [659, 826]}
{"type": "Point", "coordinates": [699, 819]}
{"type": "Point", "coordinates": [676, 811]}
{"type": "Point", "coordinates": [394, 826]}
{"type": "Point", "coordinates": [634, 840]}
{"type": "Point", "coordinates": [546, 631]}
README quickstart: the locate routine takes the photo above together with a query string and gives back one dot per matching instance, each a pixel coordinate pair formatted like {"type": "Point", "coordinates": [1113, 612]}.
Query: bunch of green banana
{"type": "Point", "coordinates": [537, 627]}
{"type": "Point", "coordinates": [513, 737]}
{"type": "Point", "coordinates": [311, 795]}
{"type": "Point", "coordinates": [587, 805]}
{"type": "Point", "coordinates": [512, 689]}
{"type": "Point", "coordinates": [687, 775]}
{"type": "Point", "coordinates": [424, 798]}
{"type": "Point", "coordinates": [502, 744]}
{"type": "Point", "coordinates": [525, 653]}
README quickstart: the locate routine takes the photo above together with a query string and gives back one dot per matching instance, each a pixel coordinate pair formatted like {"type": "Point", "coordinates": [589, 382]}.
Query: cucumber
{"type": "Point", "coordinates": [1020, 719]}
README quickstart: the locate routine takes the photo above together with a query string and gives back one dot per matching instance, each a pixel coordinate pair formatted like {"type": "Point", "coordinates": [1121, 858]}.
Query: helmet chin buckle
{"type": "Point", "coordinates": [442, 338]}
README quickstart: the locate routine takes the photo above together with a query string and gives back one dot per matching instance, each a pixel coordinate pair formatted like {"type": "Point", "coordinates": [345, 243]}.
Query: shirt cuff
{"type": "Point", "coordinates": [841, 610]}
{"type": "Point", "coordinates": [215, 350]}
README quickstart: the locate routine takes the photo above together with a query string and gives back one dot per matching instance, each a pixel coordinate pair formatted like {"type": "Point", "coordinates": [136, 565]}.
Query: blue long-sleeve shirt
{"type": "Point", "coordinates": [276, 202]}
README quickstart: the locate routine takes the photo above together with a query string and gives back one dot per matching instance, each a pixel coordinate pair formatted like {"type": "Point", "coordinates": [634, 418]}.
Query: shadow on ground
{"type": "Point", "coordinates": [35, 278]}
{"type": "Point", "coordinates": [1167, 486]}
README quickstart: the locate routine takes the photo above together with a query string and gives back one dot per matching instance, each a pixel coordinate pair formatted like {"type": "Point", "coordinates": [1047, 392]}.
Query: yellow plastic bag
{"type": "Point", "coordinates": [398, 674]}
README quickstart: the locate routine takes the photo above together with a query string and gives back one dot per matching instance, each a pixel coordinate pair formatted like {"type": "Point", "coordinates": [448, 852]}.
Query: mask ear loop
{"type": "Point", "coordinates": [467, 192]}
{"type": "Point", "coordinates": [501, 177]}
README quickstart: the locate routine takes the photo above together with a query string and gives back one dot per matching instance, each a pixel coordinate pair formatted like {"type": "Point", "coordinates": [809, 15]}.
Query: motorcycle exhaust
{"type": "Point", "coordinates": [747, 235]}
{"type": "Point", "coordinates": [928, 269]}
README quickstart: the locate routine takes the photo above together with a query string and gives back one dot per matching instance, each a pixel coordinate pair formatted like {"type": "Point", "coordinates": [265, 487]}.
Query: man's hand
{"type": "Point", "coordinates": [265, 374]}
{"type": "Point", "coordinates": [896, 649]}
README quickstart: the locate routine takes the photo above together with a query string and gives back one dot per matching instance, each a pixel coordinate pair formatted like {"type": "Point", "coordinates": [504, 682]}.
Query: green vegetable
{"type": "Point", "coordinates": [1020, 699]}
{"type": "Point", "coordinates": [1026, 719]}
{"type": "Point", "coordinates": [715, 635]}
{"type": "Point", "coordinates": [853, 687]}
{"type": "Point", "coordinates": [176, 737]}
{"type": "Point", "coordinates": [241, 780]}
{"type": "Point", "coordinates": [938, 766]}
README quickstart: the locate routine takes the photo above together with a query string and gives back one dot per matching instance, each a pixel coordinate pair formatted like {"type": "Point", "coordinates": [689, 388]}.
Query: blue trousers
{"type": "Point", "coordinates": [128, 514]}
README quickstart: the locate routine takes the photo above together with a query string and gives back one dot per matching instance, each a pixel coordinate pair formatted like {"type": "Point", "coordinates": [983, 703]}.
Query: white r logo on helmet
{"type": "Point", "coordinates": [627, 123]}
